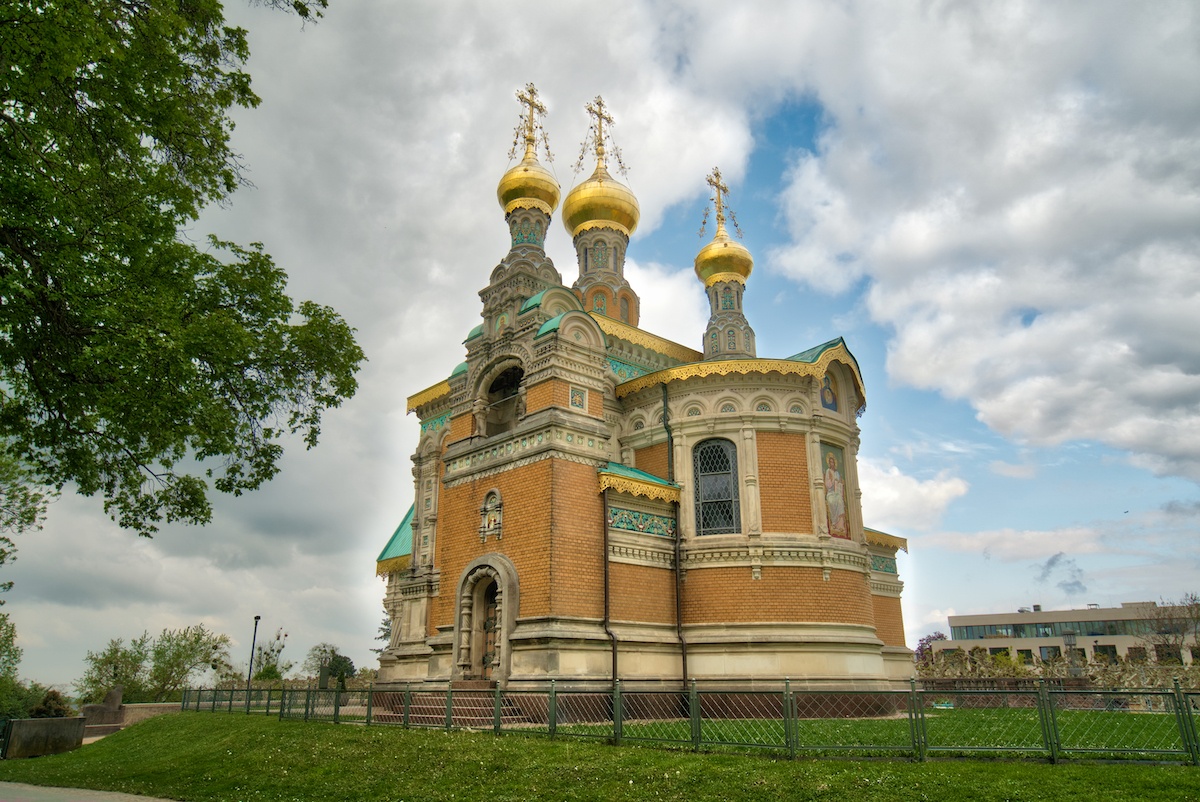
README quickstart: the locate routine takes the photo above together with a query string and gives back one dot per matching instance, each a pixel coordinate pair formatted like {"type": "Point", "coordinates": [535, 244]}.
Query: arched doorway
{"type": "Point", "coordinates": [487, 606]}
{"type": "Point", "coordinates": [485, 649]}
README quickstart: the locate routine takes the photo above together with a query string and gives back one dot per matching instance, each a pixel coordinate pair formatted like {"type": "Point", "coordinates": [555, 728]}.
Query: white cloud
{"type": "Point", "coordinates": [1022, 190]}
{"type": "Point", "coordinates": [893, 500]}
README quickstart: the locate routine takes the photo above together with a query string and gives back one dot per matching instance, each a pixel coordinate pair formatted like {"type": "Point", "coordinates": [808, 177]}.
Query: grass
{"type": "Point", "coordinates": [199, 757]}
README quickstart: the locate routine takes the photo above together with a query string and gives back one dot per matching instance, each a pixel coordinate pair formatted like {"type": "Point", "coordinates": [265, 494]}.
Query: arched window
{"type": "Point", "coordinates": [624, 310]}
{"type": "Point", "coordinates": [716, 478]}
{"type": "Point", "coordinates": [732, 340]}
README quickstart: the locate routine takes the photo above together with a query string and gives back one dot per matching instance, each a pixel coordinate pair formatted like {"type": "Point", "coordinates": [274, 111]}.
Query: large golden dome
{"type": "Point", "coordinates": [528, 185]}
{"type": "Point", "coordinates": [601, 202]}
{"type": "Point", "coordinates": [723, 259]}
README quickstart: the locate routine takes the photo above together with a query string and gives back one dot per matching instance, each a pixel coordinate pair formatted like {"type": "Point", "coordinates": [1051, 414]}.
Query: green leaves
{"type": "Point", "coordinates": [126, 352]}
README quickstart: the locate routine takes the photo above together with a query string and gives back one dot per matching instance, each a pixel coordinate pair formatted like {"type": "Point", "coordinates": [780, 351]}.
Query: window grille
{"type": "Point", "coordinates": [715, 463]}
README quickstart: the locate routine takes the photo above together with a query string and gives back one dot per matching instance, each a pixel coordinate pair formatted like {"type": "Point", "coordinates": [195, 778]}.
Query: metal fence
{"type": "Point", "coordinates": [1040, 721]}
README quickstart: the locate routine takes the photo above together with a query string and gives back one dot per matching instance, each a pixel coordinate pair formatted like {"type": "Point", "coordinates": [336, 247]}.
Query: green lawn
{"type": "Point", "coordinates": [199, 756]}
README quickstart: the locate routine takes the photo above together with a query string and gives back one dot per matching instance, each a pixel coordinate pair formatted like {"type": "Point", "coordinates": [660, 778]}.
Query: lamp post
{"type": "Point", "coordinates": [1069, 640]}
{"type": "Point", "coordinates": [250, 672]}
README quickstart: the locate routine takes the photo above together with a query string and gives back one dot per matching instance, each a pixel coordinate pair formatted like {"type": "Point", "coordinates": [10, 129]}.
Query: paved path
{"type": "Point", "coordinates": [20, 792]}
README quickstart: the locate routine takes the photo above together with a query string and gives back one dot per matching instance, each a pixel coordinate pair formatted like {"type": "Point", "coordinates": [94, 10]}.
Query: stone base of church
{"type": "Point", "coordinates": [578, 654]}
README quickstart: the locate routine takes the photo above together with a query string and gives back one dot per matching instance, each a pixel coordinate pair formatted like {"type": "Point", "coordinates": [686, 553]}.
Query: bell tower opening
{"type": "Point", "coordinates": [503, 396]}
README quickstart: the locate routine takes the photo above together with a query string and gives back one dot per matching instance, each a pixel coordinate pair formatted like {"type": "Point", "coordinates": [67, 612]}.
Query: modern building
{"type": "Point", "coordinates": [1099, 633]}
{"type": "Point", "coordinates": [593, 501]}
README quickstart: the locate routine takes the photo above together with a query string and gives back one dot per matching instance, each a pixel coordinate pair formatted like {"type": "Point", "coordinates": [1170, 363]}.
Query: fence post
{"type": "Point", "coordinates": [694, 715]}
{"type": "Point", "coordinates": [337, 704]}
{"type": "Point", "coordinates": [789, 719]}
{"type": "Point", "coordinates": [370, 699]}
{"type": "Point", "coordinates": [553, 708]}
{"type": "Point", "coordinates": [283, 702]}
{"type": "Point", "coordinates": [916, 721]}
{"type": "Point", "coordinates": [407, 703]}
{"type": "Point", "coordinates": [496, 711]}
{"type": "Point", "coordinates": [449, 706]}
{"type": "Point", "coordinates": [269, 692]}
{"type": "Point", "coordinates": [1187, 730]}
{"type": "Point", "coordinates": [1049, 722]}
{"type": "Point", "coordinates": [617, 715]}
{"type": "Point", "coordinates": [230, 708]}
{"type": "Point", "coordinates": [307, 702]}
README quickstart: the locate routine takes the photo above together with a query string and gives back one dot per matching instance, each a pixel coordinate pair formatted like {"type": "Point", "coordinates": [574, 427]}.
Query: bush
{"type": "Point", "coordinates": [52, 706]}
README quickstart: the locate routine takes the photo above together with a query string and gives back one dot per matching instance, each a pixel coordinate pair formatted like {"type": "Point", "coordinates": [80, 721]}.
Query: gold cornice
{"type": "Point", "coordinates": [594, 224]}
{"type": "Point", "coordinates": [385, 567]}
{"type": "Point", "coordinates": [660, 345]}
{"type": "Point", "coordinates": [636, 487]}
{"type": "Point", "coordinates": [528, 203]}
{"type": "Point", "coordinates": [717, 277]}
{"type": "Point", "coordinates": [428, 394]}
{"type": "Point", "coordinates": [724, 367]}
{"type": "Point", "coordinates": [877, 538]}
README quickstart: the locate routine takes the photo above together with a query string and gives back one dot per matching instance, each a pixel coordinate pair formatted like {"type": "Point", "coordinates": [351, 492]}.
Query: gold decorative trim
{"type": "Point", "coordinates": [389, 566]}
{"type": "Point", "coordinates": [877, 538]}
{"type": "Point", "coordinates": [725, 367]}
{"type": "Point", "coordinates": [429, 394]}
{"type": "Point", "coordinates": [528, 203]}
{"type": "Point", "coordinates": [660, 345]}
{"type": "Point", "coordinates": [594, 224]}
{"type": "Point", "coordinates": [717, 277]}
{"type": "Point", "coordinates": [636, 487]}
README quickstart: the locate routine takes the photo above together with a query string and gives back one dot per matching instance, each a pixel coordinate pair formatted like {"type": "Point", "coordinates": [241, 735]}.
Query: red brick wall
{"type": "Point", "coordinates": [720, 595]}
{"type": "Point", "coordinates": [783, 482]}
{"type": "Point", "coordinates": [642, 593]}
{"type": "Point", "coordinates": [652, 459]}
{"type": "Point", "coordinates": [889, 622]}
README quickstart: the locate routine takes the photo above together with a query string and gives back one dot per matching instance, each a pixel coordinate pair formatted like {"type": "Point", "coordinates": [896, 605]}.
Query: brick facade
{"type": "Point", "coordinates": [783, 483]}
{"type": "Point", "coordinates": [889, 622]}
{"type": "Point", "coordinates": [729, 595]}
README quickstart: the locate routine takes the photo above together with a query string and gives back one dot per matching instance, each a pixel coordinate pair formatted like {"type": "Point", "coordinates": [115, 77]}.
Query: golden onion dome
{"type": "Point", "coordinates": [601, 202]}
{"type": "Point", "coordinates": [528, 185]}
{"type": "Point", "coordinates": [723, 259]}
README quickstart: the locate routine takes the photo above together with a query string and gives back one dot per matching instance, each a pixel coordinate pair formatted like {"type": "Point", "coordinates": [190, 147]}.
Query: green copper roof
{"type": "Point", "coordinates": [533, 302]}
{"type": "Point", "coordinates": [460, 368]}
{"type": "Point", "coordinates": [475, 332]}
{"type": "Point", "coordinates": [550, 325]}
{"type": "Point", "coordinates": [397, 554]}
{"type": "Point", "coordinates": [814, 353]}
{"type": "Point", "coordinates": [633, 473]}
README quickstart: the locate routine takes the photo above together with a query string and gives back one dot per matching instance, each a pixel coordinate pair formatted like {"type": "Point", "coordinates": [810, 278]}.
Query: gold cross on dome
{"type": "Point", "coordinates": [720, 190]}
{"type": "Point", "coordinates": [528, 97]}
{"type": "Point", "coordinates": [601, 116]}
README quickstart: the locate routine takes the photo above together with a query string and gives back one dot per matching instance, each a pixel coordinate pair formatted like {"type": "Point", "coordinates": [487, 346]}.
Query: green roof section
{"type": "Point", "coordinates": [460, 368]}
{"type": "Point", "coordinates": [532, 303]}
{"type": "Point", "coordinates": [617, 469]}
{"type": "Point", "coordinates": [397, 554]}
{"type": "Point", "coordinates": [550, 325]}
{"type": "Point", "coordinates": [475, 332]}
{"type": "Point", "coordinates": [814, 353]}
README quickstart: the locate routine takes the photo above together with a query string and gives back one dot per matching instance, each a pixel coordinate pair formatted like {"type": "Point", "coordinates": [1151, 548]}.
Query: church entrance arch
{"type": "Point", "coordinates": [487, 606]}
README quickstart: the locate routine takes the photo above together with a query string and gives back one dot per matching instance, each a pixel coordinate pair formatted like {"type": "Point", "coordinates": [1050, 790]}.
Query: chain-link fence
{"type": "Point", "coordinates": [1035, 720]}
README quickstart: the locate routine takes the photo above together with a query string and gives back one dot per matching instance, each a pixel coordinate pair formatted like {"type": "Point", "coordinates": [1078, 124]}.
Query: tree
{"type": "Point", "coordinates": [51, 706]}
{"type": "Point", "coordinates": [1170, 627]}
{"type": "Point", "coordinates": [135, 363]}
{"type": "Point", "coordinates": [924, 652]}
{"type": "Point", "coordinates": [268, 662]}
{"type": "Point", "coordinates": [326, 654]}
{"type": "Point", "coordinates": [385, 634]}
{"type": "Point", "coordinates": [153, 669]}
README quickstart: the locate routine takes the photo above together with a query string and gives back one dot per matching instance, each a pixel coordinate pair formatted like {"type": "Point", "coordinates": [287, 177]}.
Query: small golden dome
{"type": "Point", "coordinates": [723, 259]}
{"type": "Point", "coordinates": [601, 202]}
{"type": "Point", "coordinates": [528, 185]}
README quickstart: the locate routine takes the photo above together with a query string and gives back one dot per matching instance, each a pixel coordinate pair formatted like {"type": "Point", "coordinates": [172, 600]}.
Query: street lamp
{"type": "Point", "coordinates": [250, 672]}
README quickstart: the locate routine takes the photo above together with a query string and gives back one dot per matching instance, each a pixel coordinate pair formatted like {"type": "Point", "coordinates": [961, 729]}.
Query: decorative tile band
{"type": "Point", "coordinates": [644, 522]}
{"type": "Point", "coordinates": [886, 565]}
{"type": "Point", "coordinates": [435, 424]}
{"type": "Point", "coordinates": [625, 371]}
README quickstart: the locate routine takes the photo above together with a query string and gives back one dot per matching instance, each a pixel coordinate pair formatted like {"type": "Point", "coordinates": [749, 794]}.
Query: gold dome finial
{"type": "Point", "coordinates": [600, 201]}
{"type": "Point", "coordinates": [529, 185]}
{"type": "Point", "coordinates": [722, 259]}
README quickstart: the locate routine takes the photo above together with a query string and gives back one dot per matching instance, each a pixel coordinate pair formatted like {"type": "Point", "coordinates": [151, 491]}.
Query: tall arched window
{"type": "Point", "coordinates": [716, 477]}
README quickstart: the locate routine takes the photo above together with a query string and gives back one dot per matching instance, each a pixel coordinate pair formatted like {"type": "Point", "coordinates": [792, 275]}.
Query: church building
{"type": "Point", "coordinates": [594, 502]}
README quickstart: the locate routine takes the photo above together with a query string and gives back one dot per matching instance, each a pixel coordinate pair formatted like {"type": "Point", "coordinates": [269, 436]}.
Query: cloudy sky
{"type": "Point", "coordinates": [996, 204]}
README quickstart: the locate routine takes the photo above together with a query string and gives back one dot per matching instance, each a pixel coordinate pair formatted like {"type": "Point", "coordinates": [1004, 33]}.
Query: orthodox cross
{"type": "Point", "coordinates": [529, 129]}
{"type": "Point", "coordinates": [597, 135]}
{"type": "Point", "coordinates": [719, 197]}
